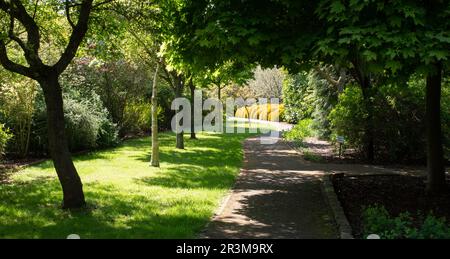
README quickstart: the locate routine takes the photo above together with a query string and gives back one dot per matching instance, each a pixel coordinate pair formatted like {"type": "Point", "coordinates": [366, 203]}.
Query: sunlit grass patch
{"type": "Point", "coordinates": [127, 198]}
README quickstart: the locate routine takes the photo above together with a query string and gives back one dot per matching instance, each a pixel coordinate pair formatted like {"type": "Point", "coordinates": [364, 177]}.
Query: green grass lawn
{"type": "Point", "coordinates": [127, 198]}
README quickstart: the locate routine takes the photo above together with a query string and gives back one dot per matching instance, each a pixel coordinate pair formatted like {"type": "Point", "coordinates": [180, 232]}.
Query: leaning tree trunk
{"type": "Point", "coordinates": [178, 94]}
{"type": "Point", "coordinates": [192, 88]}
{"type": "Point", "coordinates": [435, 151]}
{"type": "Point", "coordinates": [155, 143]}
{"type": "Point", "coordinates": [73, 196]}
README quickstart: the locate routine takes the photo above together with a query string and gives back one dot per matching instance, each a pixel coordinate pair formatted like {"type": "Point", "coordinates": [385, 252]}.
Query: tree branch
{"type": "Point", "coordinates": [13, 37]}
{"type": "Point", "coordinates": [11, 66]}
{"type": "Point", "coordinates": [102, 3]}
{"type": "Point", "coordinates": [167, 77]}
{"type": "Point", "coordinates": [69, 20]}
{"type": "Point", "coordinates": [35, 9]}
{"type": "Point", "coordinates": [326, 76]}
{"type": "Point", "coordinates": [78, 33]}
{"type": "Point", "coordinates": [18, 11]}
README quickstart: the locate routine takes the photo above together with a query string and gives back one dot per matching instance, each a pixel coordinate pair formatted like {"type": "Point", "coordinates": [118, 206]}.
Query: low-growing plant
{"type": "Point", "coordinates": [377, 220]}
{"type": "Point", "coordinates": [136, 118]}
{"type": "Point", "coordinates": [309, 156]}
{"type": "Point", "coordinates": [300, 131]}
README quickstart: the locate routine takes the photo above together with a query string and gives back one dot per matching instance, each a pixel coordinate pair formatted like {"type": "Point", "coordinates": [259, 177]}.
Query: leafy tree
{"type": "Point", "coordinates": [403, 37]}
{"type": "Point", "coordinates": [227, 74]}
{"type": "Point", "coordinates": [121, 84]}
{"type": "Point", "coordinates": [155, 142]}
{"type": "Point", "coordinates": [210, 33]}
{"type": "Point", "coordinates": [314, 95]}
{"type": "Point", "coordinates": [325, 96]}
{"type": "Point", "coordinates": [31, 17]}
{"type": "Point", "coordinates": [151, 28]}
{"type": "Point", "coordinates": [267, 83]}
{"type": "Point", "coordinates": [143, 41]}
{"type": "Point", "coordinates": [297, 97]}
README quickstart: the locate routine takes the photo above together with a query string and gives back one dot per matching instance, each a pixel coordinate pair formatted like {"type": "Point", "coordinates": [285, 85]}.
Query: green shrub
{"type": "Point", "coordinates": [309, 156]}
{"type": "Point", "coordinates": [269, 112]}
{"type": "Point", "coordinates": [376, 220]}
{"type": "Point", "coordinates": [108, 135]}
{"type": "Point", "coordinates": [38, 138]}
{"type": "Point", "coordinates": [325, 97]}
{"type": "Point", "coordinates": [300, 131]}
{"type": "Point", "coordinates": [348, 118]}
{"type": "Point", "coordinates": [5, 136]}
{"type": "Point", "coordinates": [297, 98]}
{"type": "Point", "coordinates": [432, 228]}
{"type": "Point", "coordinates": [398, 120]}
{"type": "Point", "coordinates": [83, 123]}
{"type": "Point", "coordinates": [17, 104]}
{"type": "Point", "coordinates": [87, 124]}
{"type": "Point", "coordinates": [137, 118]}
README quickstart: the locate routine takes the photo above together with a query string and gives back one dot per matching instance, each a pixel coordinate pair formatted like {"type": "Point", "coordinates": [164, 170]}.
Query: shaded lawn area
{"type": "Point", "coordinates": [127, 198]}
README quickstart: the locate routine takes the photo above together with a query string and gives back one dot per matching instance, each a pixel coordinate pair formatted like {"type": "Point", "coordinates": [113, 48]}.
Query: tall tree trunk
{"type": "Point", "coordinates": [435, 151]}
{"type": "Point", "coordinates": [73, 196]}
{"type": "Point", "coordinates": [27, 143]}
{"type": "Point", "coordinates": [178, 94]}
{"type": "Point", "coordinates": [370, 124]}
{"type": "Point", "coordinates": [155, 143]}
{"type": "Point", "coordinates": [192, 88]}
{"type": "Point", "coordinates": [180, 140]}
{"type": "Point", "coordinates": [219, 92]}
{"type": "Point", "coordinates": [365, 83]}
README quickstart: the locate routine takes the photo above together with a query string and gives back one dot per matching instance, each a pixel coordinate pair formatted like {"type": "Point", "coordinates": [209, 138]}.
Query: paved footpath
{"type": "Point", "coordinates": [277, 195]}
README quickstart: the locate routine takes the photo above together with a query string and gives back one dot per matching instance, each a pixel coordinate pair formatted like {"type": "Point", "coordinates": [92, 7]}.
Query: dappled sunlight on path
{"type": "Point", "coordinates": [278, 195]}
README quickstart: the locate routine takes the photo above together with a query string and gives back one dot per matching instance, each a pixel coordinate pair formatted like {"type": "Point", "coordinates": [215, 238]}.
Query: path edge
{"type": "Point", "coordinates": [344, 228]}
{"type": "Point", "coordinates": [345, 231]}
{"type": "Point", "coordinates": [202, 235]}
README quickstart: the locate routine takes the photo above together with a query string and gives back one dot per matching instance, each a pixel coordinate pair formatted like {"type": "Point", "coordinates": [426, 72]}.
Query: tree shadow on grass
{"type": "Point", "coordinates": [189, 177]}
{"type": "Point", "coordinates": [205, 163]}
{"type": "Point", "coordinates": [31, 208]}
{"type": "Point", "coordinates": [31, 211]}
{"type": "Point", "coordinates": [213, 150]}
{"type": "Point", "coordinates": [48, 164]}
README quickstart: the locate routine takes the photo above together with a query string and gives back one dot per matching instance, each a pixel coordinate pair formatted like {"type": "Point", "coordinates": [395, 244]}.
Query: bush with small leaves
{"type": "Point", "coordinates": [376, 220]}
{"type": "Point", "coordinates": [300, 131]}
{"type": "Point", "coordinates": [5, 136]}
{"type": "Point", "coordinates": [269, 112]}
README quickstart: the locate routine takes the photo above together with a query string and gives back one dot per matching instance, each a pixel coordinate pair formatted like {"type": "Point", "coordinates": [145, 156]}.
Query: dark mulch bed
{"type": "Point", "coordinates": [397, 193]}
{"type": "Point", "coordinates": [12, 164]}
